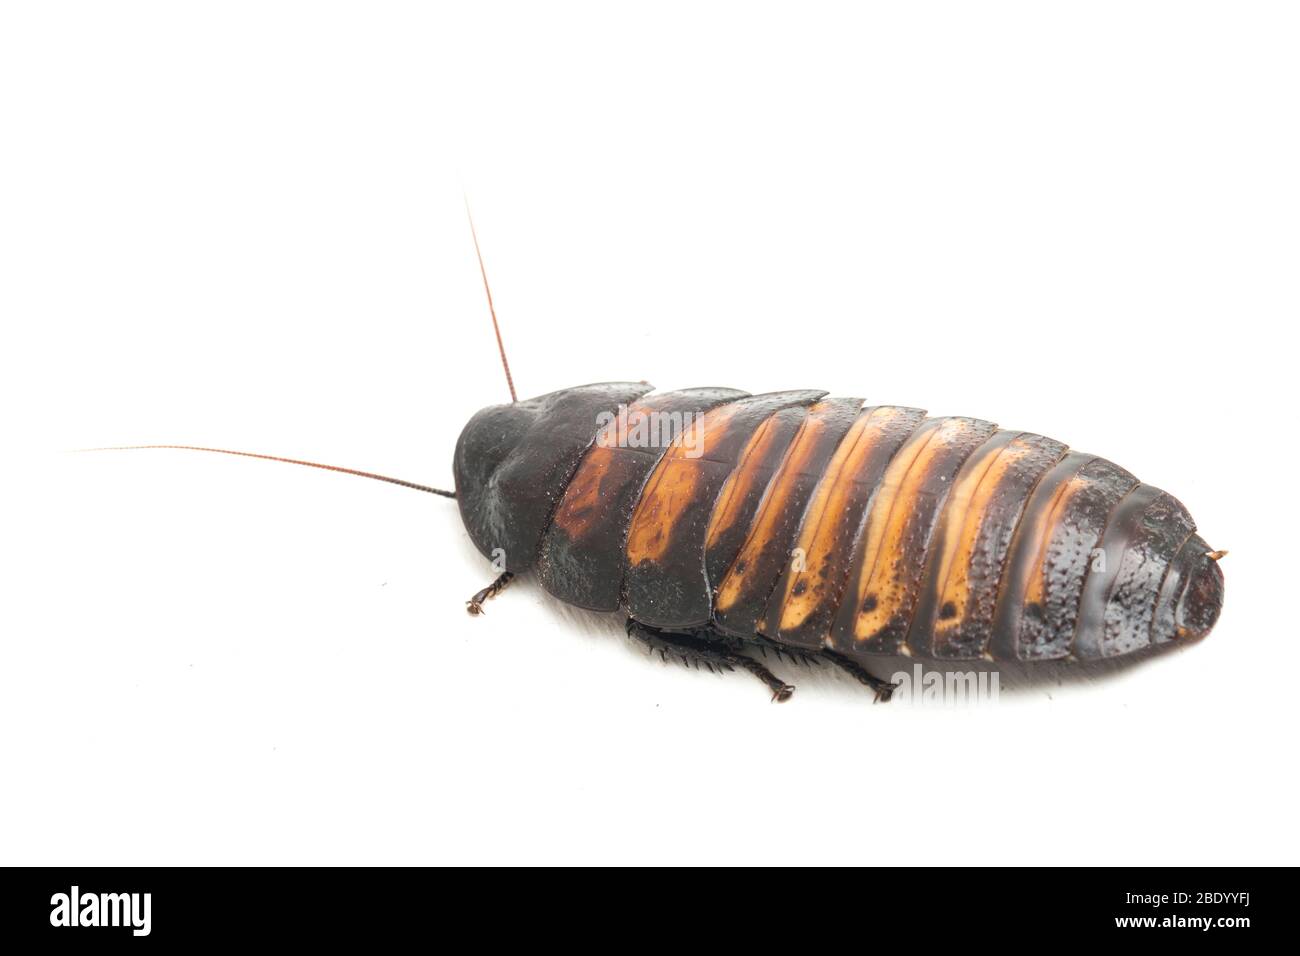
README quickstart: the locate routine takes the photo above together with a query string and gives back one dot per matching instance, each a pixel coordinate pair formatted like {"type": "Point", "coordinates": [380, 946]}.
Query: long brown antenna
{"type": "Point", "coordinates": [289, 461]}
{"type": "Point", "coordinates": [491, 308]}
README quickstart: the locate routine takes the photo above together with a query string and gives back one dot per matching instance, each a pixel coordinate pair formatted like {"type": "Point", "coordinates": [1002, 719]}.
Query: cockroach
{"type": "Point", "coordinates": [723, 523]}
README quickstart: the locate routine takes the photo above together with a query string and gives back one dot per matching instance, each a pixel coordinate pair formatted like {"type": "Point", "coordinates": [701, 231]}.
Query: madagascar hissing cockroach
{"type": "Point", "coordinates": [722, 522]}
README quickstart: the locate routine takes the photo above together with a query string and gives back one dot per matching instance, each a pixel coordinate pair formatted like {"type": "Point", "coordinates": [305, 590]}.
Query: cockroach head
{"type": "Point", "coordinates": [514, 461]}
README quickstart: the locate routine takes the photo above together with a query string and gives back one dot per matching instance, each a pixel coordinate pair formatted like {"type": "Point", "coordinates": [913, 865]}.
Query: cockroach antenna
{"type": "Point", "coordinates": [505, 364]}
{"type": "Point", "coordinates": [287, 461]}
{"type": "Point", "coordinates": [496, 327]}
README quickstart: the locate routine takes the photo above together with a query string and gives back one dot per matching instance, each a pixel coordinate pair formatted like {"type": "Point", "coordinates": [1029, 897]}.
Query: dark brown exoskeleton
{"type": "Point", "coordinates": [829, 528]}
{"type": "Point", "coordinates": [722, 522]}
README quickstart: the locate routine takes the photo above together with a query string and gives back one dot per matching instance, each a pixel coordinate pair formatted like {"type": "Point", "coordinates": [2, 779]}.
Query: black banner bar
{"type": "Point", "coordinates": [904, 905]}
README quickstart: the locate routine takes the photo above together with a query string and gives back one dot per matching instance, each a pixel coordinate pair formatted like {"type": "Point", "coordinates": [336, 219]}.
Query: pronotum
{"type": "Point", "coordinates": [722, 522]}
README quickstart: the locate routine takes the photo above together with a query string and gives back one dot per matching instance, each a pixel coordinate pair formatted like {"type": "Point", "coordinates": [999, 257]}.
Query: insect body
{"type": "Point", "coordinates": [828, 527]}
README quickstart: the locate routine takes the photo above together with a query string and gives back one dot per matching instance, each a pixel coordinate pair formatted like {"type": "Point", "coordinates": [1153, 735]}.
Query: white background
{"type": "Point", "coordinates": [241, 225]}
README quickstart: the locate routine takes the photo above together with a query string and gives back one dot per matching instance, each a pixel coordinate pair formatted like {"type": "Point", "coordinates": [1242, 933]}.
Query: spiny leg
{"type": "Point", "coordinates": [794, 655]}
{"type": "Point", "coordinates": [883, 688]}
{"type": "Point", "coordinates": [475, 604]}
{"type": "Point", "coordinates": [694, 649]}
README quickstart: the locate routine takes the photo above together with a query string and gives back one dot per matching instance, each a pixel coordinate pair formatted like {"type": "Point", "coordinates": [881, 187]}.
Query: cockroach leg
{"type": "Point", "coordinates": [781, 691]}
{"type": "Point", "coordinates": [883, 688]}
{"type": "Point", "coordinates": [783, 652]}
{"type": "Point", "coordinates": [475, 604]}
{"type": "Point", "coordinates": [695, 648]}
